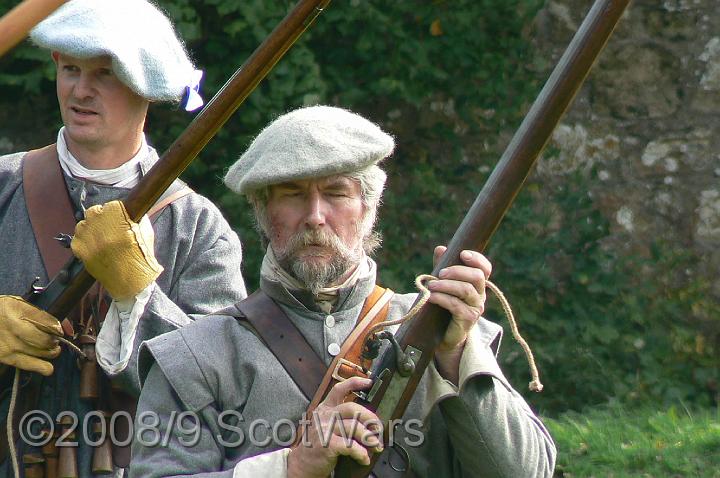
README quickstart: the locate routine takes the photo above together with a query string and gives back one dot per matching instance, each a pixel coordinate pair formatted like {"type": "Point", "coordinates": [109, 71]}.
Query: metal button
{"type": "Point", "coordinates": [329, 321]}
{"type": "Point", "coordinates": [333, 349]}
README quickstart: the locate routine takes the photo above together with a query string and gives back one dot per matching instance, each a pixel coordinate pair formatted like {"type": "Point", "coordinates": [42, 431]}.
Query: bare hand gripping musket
{"type": "Point", "coordinates": [398, 372]}
{"type": "Point", "coordinates": [15, 25]}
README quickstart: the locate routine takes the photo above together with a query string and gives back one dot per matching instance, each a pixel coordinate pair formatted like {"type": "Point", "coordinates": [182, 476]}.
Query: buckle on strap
{"type": "Point", "coordinates": [336, 373]}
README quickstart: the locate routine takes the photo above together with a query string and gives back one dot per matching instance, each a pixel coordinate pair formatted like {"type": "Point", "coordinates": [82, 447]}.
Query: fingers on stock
{"type": "Point", "coordinates": [477, 260]}
{"type": "Point", "coordinates": [456, 296]}
{"type": "Point", "coordinates": [353, 438]}
{"type": "Point", "coordinates": [337, 394]}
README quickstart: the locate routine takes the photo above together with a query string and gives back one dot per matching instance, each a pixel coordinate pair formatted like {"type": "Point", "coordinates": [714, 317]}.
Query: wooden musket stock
{"type": "Point", "coordinates": [65, 290]}
{"type": "Point", "coordinates": [15, 25]}
{"type": "Point", "coordinates": [426, 330]}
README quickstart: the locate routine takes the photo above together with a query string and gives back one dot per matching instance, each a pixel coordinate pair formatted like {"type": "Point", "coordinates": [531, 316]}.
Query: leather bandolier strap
{"type": "Point", "coordinates": [284, 340]}
{"type": "Point", "coordinates": [51, 212]}
{"type": "Point", "coordinates": [290, 347]}
{"type": "Point", "coordinates": [293, 351]}
{"type": "Point", "coordinates": [47, 196]}
{"type": "Point", "coordinates": [49, 206]}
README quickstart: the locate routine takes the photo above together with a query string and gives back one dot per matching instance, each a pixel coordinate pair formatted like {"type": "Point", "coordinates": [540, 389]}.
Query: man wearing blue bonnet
{"type": "Point", "coordinates": [113, 58]}
{"type": "Point", "coordinates": [241, 387]}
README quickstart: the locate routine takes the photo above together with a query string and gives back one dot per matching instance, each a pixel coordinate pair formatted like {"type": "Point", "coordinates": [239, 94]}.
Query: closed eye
{"type": "Point", "coordinates": [337, 194]}
{"type": "Point", "coordinates": [290, 192]}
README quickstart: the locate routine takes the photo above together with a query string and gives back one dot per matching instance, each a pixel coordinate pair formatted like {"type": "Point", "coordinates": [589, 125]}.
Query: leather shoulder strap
{"type": "Point", "coordinates": [349, 362]}
{"type": "Point", "coordinates": [50, 209]}
{"type": "Point", "coordinates": [292, 350]}
{"type": "Point", "coordinates": [166, 199]}
{"type": "Point", "coordinates": [284, 340]}
{"type": "Point", "coordinates": [48, 205]}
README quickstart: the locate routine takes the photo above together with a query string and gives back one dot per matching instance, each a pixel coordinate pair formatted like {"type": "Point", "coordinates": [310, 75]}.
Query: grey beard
{"type": "Point", "coordinates": [317, 276]}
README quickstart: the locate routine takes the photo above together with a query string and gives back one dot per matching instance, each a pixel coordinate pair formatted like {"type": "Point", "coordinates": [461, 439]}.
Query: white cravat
{"type": "Point", "coordinates": [125, 176]}
{"type": "Point", "coordinates": [116, 339]}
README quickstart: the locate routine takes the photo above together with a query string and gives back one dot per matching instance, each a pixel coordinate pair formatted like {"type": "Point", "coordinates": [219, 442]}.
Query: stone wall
{"type": "Point", "coordinates": [645, 126]}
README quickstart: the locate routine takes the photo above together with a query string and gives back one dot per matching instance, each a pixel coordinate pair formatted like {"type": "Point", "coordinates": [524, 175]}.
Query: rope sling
{"type": "Point", "coordinates": [535, 385]}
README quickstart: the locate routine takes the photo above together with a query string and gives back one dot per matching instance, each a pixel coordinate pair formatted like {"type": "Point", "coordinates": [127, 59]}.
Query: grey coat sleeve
{"type": "Point", "coordinates": [489, 428]}
{"type": "Point", "coordinates": [202, 261]}
{"type": "Point", "coordinates": [494, 434]}
{"type": "Point", "coordinates": [202, 258]}
{"type": "Point", "coordinates": [162, 414]}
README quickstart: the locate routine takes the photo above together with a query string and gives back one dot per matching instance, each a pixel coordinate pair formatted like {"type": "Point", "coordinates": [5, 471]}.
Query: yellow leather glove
{"type": "Point", "coordinates": [27, 335]}
{"type": "Point", "coordinates": [115, 250]}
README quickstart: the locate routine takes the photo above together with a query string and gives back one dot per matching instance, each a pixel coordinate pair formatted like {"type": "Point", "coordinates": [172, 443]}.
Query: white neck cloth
{"type": "Point", "coordinates": [272, 270]}
{"type": "Point", "coordinates": [124, 176]}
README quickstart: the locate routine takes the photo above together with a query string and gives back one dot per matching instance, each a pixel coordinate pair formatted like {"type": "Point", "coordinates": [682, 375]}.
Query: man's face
{"type": "Point", "coordinates": [316, 228]}
{"type": "Point", "coordinates": [98, 110]}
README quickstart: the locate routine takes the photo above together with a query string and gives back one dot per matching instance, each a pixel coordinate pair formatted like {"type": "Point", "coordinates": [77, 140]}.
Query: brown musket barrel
{"type": "Point", "coordinates": [15, 25]}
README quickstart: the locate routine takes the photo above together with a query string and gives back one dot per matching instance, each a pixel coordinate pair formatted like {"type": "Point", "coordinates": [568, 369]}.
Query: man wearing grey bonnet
{"type": "Point", "coordinates": [313, 179]}
{"type": "Point", "coordinates": [113, 58]}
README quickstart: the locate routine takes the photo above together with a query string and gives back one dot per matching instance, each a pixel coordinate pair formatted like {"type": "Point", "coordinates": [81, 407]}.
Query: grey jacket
{"type": "Point", "coordinates": [200, 253]}
{"type": "Point", "coordinates": [238, 404]}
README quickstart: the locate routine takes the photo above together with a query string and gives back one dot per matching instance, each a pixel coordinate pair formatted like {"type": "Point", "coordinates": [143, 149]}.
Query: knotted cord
{"type": "Point", "coordinates": [424, 296]}
{"type": "Point", "coordinates": [535, 385]}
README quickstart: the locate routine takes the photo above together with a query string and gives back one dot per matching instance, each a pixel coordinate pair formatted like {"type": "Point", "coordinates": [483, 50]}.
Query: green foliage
{"type": "Point", "coordinates": [600, 330]}
{"type": "Point", "coordinates": [450, 79]}
{"type": "Point", "coordinates": [618, 442]}
{"type": "Point", "coordinates": [372, 56]}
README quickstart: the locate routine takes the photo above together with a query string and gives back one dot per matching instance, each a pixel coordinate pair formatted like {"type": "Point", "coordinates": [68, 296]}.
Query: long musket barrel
{"type": "Point", "coordinates": [426, 330]}
{"type": "Point", "coordinates": [64, 291]}
{"type": "Point", "coordinates": [15, 25]}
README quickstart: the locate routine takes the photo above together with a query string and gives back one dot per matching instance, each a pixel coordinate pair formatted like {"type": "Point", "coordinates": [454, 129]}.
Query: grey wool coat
{"type": "Point", "coordinates": [228, 391]}
{"type": "Point", "coordinates": [200, 253]}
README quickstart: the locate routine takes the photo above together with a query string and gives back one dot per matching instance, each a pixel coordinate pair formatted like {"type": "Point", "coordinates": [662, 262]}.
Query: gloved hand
{"type": "Point", "coordinates": [27, 335]}
{"type": "Point", "coordinates": [117, 251]}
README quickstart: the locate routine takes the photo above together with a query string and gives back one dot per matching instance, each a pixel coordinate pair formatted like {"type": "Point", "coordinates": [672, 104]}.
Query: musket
{"type": "Point", "coordinates": [64, 291]}
{"type": "Point", "coordinates": [397, 375]}
{"type": "Point", "coordinates": [15, 25]}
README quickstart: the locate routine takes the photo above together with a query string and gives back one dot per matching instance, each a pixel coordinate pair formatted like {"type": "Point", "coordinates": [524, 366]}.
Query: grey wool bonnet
{"type": "Point", "coordinates": [146, 53]}
{"type": "Point", "coordinates": [311, 142]}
